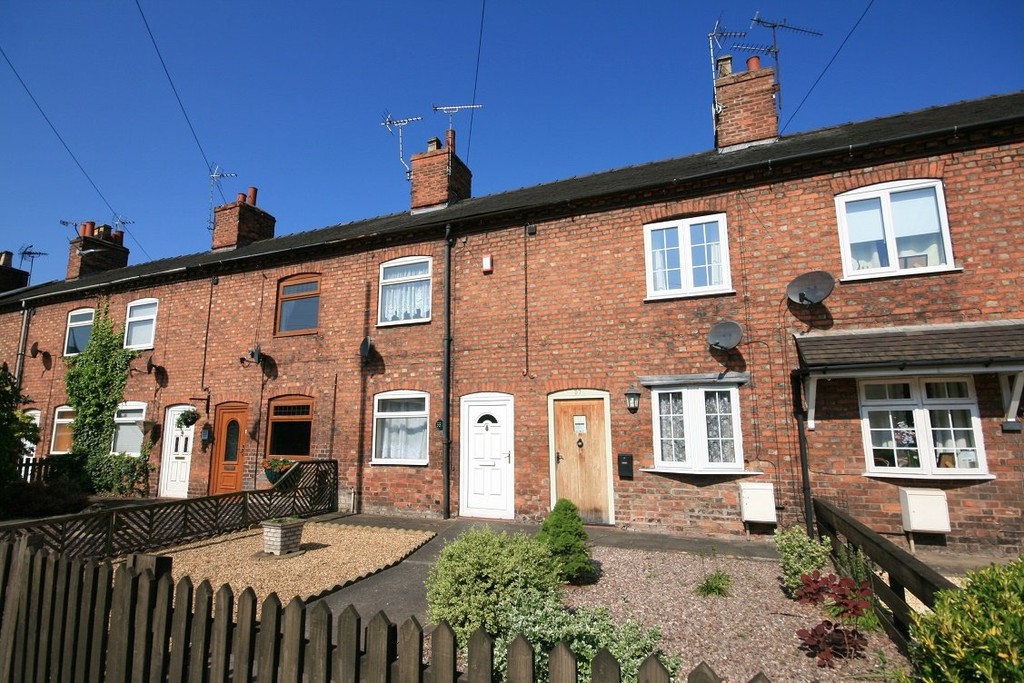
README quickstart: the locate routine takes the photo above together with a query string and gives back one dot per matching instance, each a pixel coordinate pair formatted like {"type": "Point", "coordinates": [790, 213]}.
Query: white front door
{"type": "Point", "coordinates": [177, 455]}
{"type": "Point", "coordinates": [487, 481]}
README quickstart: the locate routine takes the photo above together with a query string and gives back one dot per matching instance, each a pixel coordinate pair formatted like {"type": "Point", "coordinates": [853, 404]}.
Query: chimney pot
{"type": "Point", "coordinates": [241, 198]}
{"type": "Point", "coordinates": [433, 144]}
{"type": "Point", "coordinates": [753, 63]}
{"type": "Point", "coordinates": [87, 229]}
{"type": "Point", "coordinates": [117, 236]}
{"type": "Point", "coordinates": [252, 196]}
{"type": "Point", "coordinates": [6, 258]}
{"type": "Point", "coordinates": [724, 66]}
{"type": "Point", "coordinates": [103, 232]}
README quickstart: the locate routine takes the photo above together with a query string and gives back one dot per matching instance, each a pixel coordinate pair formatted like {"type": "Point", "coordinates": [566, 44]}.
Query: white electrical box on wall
{"type": "Point", "coordinates": [757, 502]}
{"type": "Point", "coordinates": [924, 510]}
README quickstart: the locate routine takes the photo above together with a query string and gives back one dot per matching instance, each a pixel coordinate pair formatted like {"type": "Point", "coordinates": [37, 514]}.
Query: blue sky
{"type": "Point", "coordinates": [289, 96]}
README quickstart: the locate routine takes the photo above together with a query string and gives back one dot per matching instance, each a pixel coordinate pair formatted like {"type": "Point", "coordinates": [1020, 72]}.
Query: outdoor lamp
{"type": "Point", "coordinates": [206, 434]}
{"type": "Point", "coordinates": [632, 399]}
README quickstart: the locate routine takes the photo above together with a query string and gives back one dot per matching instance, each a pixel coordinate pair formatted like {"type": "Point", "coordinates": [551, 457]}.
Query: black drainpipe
{"type": "Point", "coordinates": [805, 467]}
{"type": "Point", "coordinates": [446, 390]}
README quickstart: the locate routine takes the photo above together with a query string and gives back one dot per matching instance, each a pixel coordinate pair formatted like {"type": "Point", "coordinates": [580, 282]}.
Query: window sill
{"type": "Point", "coordinates": [910, 272]}
{"type": "Point", "coordinates": [702, 473]}
{"type": "Point", "coordinates": [981, 476]}
{"type": "Point", "coordinates": [139, 348]}
{"type": "Point", "coordinates": [396, 323]}
{"type": "Point", "coordinates": [406, 463]}
{"type": "Point", "coordinates": [297, 333]}
{"type": "Point", "coordinates": [651, 298]}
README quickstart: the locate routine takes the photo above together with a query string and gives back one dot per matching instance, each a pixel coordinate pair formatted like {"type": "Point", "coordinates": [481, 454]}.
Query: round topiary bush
{"type": "Point", "coordinates": [478, 576]}
{"type": "Point", "coordinates": [564, 534]}
{"type": "Point", "coordinates": [974, 634]}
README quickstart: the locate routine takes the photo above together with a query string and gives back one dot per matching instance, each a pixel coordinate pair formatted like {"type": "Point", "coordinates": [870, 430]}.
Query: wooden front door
{"type": "Point", "coordinates": [582, 457]}
{"type": "Point", "coordinates": [228, 449]}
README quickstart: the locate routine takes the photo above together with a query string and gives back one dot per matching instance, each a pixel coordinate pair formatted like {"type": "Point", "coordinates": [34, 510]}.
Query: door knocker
{"type": "Point", "coordinates": [579, 443]}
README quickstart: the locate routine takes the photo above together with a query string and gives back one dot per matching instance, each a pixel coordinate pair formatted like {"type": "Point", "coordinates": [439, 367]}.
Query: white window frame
{"type": "Point", "coordinates": [884, 192]}
{"type": "Point", "coordinates": [382, 284]}
{"type": "Point", "coordinates": [134, 421]}
{"type": "Point", "coordinates": [67, 331]}
{"type": "Point", "coordinates": [378, 414]}
{"type": "Point", "coordinates": [687, 287]}
{"type": "Point", "coordinates": [60, 417]}
{"type": "Point", "coordinates": [32, 447]}
{"type": "Point", "coordinates": [132, 320]}
{"type": "Point", "coordinates": [920, 405]}
{"type": "Point", "coordinates": [695, 430]}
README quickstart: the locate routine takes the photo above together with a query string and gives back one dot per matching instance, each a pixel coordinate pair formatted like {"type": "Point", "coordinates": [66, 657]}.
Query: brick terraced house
{"type": "Point", "coordinates": [693, 345]}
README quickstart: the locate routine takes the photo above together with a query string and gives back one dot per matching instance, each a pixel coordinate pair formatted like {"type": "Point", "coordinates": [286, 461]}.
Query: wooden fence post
{"type": "Point", "coordinates": [318, 652]}
{"type": "Point", "coordinates": [158, 564]}
{"type": "Point", "coordinates": [562, 666]}
{"type": "Point", "coordinates": [267, 642]}
{"type": "Point", "coordinates": [245, 636]}
{"type": "Point", "coordinates": [223, 621]}
{"type": "Point", "coordinates": [520, 661]}
{"type": "Point", "coordinates": [181, 627]}
{"type": "Point", "coordinates": [605, 669]}
{"type": "Point", "coordinates": [410, 651]}
{"type": "Point", "coordinates": [16, 584]}
{"type": "Point", "coordinates": [347, 655]}
{"type": "Point", "coordinates": [380, 649]}
{"type": "Point", "coordinates": [480, 667]}
{"type": "Point", "coordinates": [442, 654]}
{"type": "Point", "coordinates": [653, 671]}
{"type": "Point", "coordinates": [292, 641]}
{"type": "Point", "coordinates": [199, 645]}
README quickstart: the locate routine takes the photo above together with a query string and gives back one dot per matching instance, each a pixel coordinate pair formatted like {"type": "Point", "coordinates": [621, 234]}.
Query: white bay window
{"type": "Point", "coordinates": [400, 428]}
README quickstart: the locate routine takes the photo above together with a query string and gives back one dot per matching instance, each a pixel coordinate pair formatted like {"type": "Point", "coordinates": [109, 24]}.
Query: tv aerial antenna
{"type": "Point", "coordinates": [390, 123]}
{"type": "Point", "coordinates": [120, 221]}
{"type": "Point", "coordinates": [71, 224]}
{"type": "Point", "coordinates": [715, 40]}
{"type": "Point", "coordinates": [27, 252]}
{"type": "Point", "coordinates": [452, 110]}
{"type": "Point", "coordinates": [216, 173]}
{"type": "Point", "coordinates": [773, 49]}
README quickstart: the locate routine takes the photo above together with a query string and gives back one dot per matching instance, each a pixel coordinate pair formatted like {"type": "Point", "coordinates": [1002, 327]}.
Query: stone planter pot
{"type": "Point", "coordinates": [282, 536]}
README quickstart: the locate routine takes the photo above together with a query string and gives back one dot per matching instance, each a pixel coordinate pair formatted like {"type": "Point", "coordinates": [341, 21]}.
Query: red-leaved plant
{"type": "Point", "coordinates": [848, 600]}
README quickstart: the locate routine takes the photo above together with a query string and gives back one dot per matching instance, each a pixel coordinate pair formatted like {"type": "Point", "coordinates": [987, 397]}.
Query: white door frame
{"type": "Point", "coordinates": [167, 447]}
{"type": "Point", "coordinates": [570, 394]}
{"type": "Point", "coordinates": [486, 397]}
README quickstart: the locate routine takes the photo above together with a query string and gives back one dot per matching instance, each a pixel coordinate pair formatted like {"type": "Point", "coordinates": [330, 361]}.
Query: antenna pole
{"type": "Point", "coordinates": [27, 252]}
{"type": "Point", "coordinates": [215, 175]}
{"type": "Point", "coordinates": [714, 37]}
{"type": "Point", "coordinates": [774, 49]}
{"type": "Point", "coordinates": [388, 122]}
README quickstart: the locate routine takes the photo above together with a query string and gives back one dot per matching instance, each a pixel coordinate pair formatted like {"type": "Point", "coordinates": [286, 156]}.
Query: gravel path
{"type": "Point", "coordinates": [751, 630]}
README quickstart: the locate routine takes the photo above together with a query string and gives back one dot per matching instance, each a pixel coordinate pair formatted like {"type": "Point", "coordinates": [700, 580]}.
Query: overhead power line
{"type": "Point", "coordinates": [181, 105]}
{"type": "Point", "coordinates": [476, 75]}
{"type": "Point", "coordinates": [67, 148]}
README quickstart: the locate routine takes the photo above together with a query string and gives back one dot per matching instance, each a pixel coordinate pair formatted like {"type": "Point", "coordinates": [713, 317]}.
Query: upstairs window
{"type": "Point", "coordinates": [923, 427]}
{"type": "Point", "coordinates": [79, 329]}
{"type": "Point", "coordinates": [400, 428]}
{"type": "Point", "coordinates": [128, 432]}
{"type": "Point", "coordinates": [62, 436]}
{"type": "Point", "coordinates": [140, 324]}
{"type": "Point", "coordinates": [405, 291]}
{"type": "Point", "coordinates": [687, 257]}
{"type": "Point", "coordinates": [291, 427]}
{"type": "Point", "coordinates": [697, 429]}
{"type": "Point", "coordinates": [894, 228]}
{"type": "Point", "coordinates": [298, 305]}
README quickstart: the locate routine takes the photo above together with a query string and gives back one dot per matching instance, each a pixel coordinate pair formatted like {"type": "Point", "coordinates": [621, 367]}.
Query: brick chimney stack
{"type": "Point", "coordinates": [439, 178]}
{"type": "Point", "coordinates": [95, 250]}
{"type": "Point", "coordinates": [11, 277]}
{"type": "Point", "coordinates": [241, 223]}
{"type": "Point", "coordinates": [745, 112]}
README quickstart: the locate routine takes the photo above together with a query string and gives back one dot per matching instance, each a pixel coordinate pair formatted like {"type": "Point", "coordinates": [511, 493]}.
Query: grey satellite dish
{"type": "Point", "coordinates": [366, 347]}
{"type": "Point", "coordinates": [725, 335]}
{"type": "Point", "coordinates": [811, 288]}
{"type": "Point", "coordinates": [34, 351]}
{"type": "Point", "coordinates": [150, 365]}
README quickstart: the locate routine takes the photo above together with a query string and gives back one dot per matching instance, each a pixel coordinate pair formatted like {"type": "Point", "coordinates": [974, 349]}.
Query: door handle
{"type": "Point", "coordinates": [508, 456]}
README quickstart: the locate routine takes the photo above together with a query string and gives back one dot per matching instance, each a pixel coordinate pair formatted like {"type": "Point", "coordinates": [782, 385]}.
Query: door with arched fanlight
{"type": "Point", "coordinates": [487, 469]}
{"type": "Point", "coordinates": [229, 439]}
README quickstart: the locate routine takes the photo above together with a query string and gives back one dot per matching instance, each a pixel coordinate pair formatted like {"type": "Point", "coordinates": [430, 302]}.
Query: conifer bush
{"type": "Point", "coordinates": [564, 534]}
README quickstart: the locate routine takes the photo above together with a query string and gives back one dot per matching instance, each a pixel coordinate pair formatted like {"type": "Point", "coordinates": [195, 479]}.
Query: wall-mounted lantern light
{"type": "Point", "coordinates": [206, 434]}
{"type": "Point", "coordinates": [632, 399]}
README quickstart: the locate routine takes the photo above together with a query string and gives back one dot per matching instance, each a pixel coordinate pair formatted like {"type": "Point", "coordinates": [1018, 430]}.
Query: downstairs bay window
{"type": "Point", "coordinates": [921, 427]}
{"type": "Point", "coordinates": [400, 428]}
{"type": "Point", "coordinates": [697, 429]}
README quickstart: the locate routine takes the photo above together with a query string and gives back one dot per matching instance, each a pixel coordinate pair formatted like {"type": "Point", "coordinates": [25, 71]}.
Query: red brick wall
{"type": "Point", "coordinates": [747, 110]}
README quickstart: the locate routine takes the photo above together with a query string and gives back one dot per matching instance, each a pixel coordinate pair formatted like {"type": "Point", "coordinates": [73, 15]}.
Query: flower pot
{"type": "Point", "coordinates": [273, 476]}
{"type": "Point", "coordinates": [282, 536]}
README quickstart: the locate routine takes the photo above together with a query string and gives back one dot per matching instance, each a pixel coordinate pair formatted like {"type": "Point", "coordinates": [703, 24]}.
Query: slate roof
{"type": "Point", "coordinates": [958, 118]}
{"type": "Point", "coordinates": [990, 342]}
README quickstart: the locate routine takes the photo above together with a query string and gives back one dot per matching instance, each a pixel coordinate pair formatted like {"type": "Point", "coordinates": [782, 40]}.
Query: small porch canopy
{"type": "Point", "coordinates": [995, 346]}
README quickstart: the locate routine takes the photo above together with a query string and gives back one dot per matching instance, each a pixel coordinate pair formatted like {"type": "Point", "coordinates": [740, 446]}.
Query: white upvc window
{"type": "Point", "coordinates": [62, 437]}
{"type": "Point", "coordinates": [32, 447]}
{"type": "Point", "coordinates": [400, 428]}
{"type": "Point", "coordinates": [697, 429]}
{"type": "Point", "coordinates": [894, 228]}
{"type": "Point", "coordinates": [922, 426]}
{"type": "Point", "coordinates": [687, 257]}
{"type": "Point", "coordinates": [78, 332]}
{"type": "Point", "coordinates": [128, 433]}
{"type": "Point", "coordinates": [405, 291]}
{"type": "Point", "coordinates": [140, 324]}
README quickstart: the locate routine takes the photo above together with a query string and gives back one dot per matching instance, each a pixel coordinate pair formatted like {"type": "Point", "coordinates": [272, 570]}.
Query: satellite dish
{"type": "Point", "coordinates": [256, 354]}
{"type": "Point", "coordinates": [725, 335]}
{"type": "Point", "coordinates": [150, 365]}
{"type": "Point", "coordinates": [366, 347]}
{"type": "Point", "coordinates": [811, 288]}
{"type": "Point", "coordinates": [34, 351]}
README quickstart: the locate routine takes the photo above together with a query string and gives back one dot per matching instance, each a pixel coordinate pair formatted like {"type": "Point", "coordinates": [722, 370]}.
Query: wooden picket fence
{"type": "Point", "coordinates": [77, 621]}
{"type": "Point", "coordinates": [33, 469]}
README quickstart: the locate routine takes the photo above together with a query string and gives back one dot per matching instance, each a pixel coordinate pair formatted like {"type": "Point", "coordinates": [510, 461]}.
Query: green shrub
{"type": "Point", "coordinates": [479, 575]}
{"type": "Point", "coordinates": [799, 555]}
{"type": "Point", "coordinates": [716, 583]}
{"type": "Point", "coordinates": [565, 536]}
{"type": "Point", "coordinates": [544, 622]}
{"type": "Point", "coordinates": [974, 634]}
{"type": "Point", "coordinates": [120, 474]}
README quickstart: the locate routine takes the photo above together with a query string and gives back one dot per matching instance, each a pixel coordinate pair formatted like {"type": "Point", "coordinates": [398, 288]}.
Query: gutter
{"type": "Point", "coordinates": [19, 364]}
{"type": "Point", "coordinates": [805, 465]}
{"type": "Point", "coordinates": [446, 388]}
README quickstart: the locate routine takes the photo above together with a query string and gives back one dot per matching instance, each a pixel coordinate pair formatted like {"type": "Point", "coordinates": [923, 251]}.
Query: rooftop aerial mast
{"type": "Point", "coordinates": [773, 49]}
{"type": "Point", "coordinates": [390, 123]}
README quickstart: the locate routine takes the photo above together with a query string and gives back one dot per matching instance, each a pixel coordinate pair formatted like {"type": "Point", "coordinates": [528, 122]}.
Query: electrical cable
{"type": "Point", "coordinates": [152, 38]}
{"type": "Point", "coordinates": [822, 74]}
{"type": "Point", "coordinates": [476, 76]}
{"type": "Point", "coordinates": [68, 149]}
